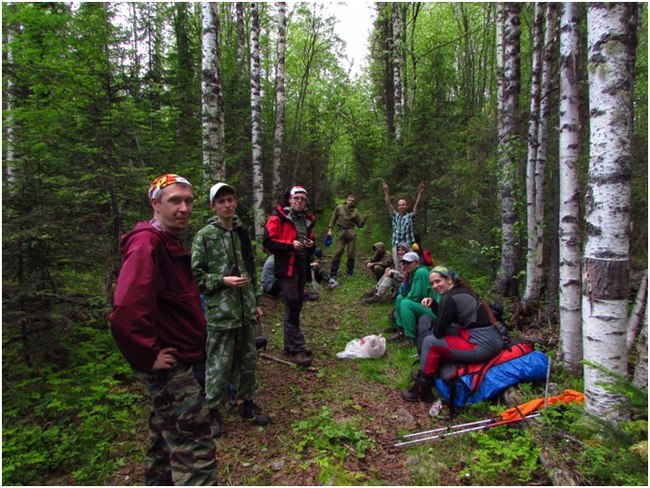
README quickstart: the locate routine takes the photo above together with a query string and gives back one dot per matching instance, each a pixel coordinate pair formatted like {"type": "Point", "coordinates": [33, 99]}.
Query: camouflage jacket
{"type": "Point", "coordinates": [214, 252]}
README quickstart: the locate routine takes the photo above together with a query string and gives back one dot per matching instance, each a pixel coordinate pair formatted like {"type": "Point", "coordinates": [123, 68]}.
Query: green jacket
{"type": "Point", "coordinates": [346, 218]}
{"type": "Point", "coordinates": [419, 286]}
{"type": "Point", "coordinates": [214, 252]}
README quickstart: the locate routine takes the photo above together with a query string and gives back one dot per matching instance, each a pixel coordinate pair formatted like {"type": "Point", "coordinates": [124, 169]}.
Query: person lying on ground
{"type": "Point", "coordinates": [464, 330]}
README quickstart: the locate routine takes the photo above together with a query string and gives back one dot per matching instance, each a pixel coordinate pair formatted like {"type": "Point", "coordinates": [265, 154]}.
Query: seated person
{"type": "Point", "coordinates": [408, 306]}
{"type": "Point", "coordinates": [464, 330]}
{"type": "Point", "coordinates": [391, 279]}
{"type": "Point", "coordinates": [320, 273]}
{"type": "Point", "coordinates": [271, 285]}
{"type": "Point", "coordinates": [380, 260]}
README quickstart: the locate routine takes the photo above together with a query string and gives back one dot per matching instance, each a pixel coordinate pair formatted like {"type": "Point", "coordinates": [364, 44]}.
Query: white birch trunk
{"type": "Point", "coordinates": [506, 283]}
{"type": "Point", "coordinates": [636, 317]}
{"type": "Point", "coordinates": [641, 369]}
{"type": "Point", "coordinates": [279, 99]}
{"type": "Point", "coordinates": [241, 39]}
{"type": "Point", "coordinates": [212, 116]}
{"type": "Point", "coordinates": [611, 51]}
{"type": "Point", "coordinates": [533, 272]}
{"type": "Point", "coordinates": [7, 126]}
{"type": "Point", "coordinates": [256, 119]}
{"type": "Point", "coordinates": [397, 79]}
{"type": "Point", "coordinates": [569, 200]}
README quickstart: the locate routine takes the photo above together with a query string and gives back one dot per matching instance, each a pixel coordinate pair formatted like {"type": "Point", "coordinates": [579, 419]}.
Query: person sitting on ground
{"type": "Point", "coordinates": [380, 260]}
{"type": "Point", "coordinates": [320, 273]}
{"type": "Point", "coordinates": [271, 285]}
{"type": "Point", "coordinates": [391, 279]}
{"type": "Point", "coordinates": [463, 331]}
{"type": "Point", "coordinates": [407, 303]}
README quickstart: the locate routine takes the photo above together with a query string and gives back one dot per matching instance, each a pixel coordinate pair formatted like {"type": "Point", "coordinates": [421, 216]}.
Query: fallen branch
{"type": "Point", "coordinates": [286, 363]}
{"type": "Point", "coordinates": [558, 476]}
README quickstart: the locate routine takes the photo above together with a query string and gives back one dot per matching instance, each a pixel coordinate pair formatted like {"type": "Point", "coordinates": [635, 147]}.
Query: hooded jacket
{"type": "Point", "coordinates": [380, 255]}
{"type": "Point", "coordinates": [279, 234]}
{"type": "Point", "coordinates": [157, 302]}
{"type": "Point", "coordinates": [215, 250]}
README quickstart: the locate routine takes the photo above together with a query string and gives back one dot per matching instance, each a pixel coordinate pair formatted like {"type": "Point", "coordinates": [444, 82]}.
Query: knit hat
{"type": "Point", "coordinates": [217, 187]}
{"type": "Point", "coordinates": [163, 181]}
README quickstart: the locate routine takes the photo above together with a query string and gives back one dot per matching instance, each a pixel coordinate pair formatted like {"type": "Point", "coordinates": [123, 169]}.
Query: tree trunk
{"type": "Point", "coordinates": [641, 369]}
{"type": "Point", "coordinates": [7, 126]}
{"type": "Point", "coordinates": [397, 80]}
{"type": "Point", "coordinates": [506, 282]}
{"type": "Point", "coordinates": [569, 211]}
{"type": "Point", "coordinates": [636, 317]}
{"type": "Point", "coordinates": [611, 48]}
{"type": "Point", "coordinates": [533, 270]}
{"type": "Point", "coordinates": [279, 100]}
{"type": "Point", "coordinates": [256, 118]}
{"type": "Point", "coordinates": [241, 40]}
{"type": "Point", "coordinates": [214, 167]}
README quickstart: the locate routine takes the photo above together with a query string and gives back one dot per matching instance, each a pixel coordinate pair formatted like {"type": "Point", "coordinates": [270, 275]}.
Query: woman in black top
{"type": "Point", "coordinates": [464, 331]}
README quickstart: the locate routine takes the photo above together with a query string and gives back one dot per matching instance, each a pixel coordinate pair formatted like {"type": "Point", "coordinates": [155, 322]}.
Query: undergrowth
{"type": "Point", "coordinates": [66, 423]}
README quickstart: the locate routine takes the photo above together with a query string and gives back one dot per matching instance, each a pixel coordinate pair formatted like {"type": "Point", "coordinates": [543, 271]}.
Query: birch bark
{"type": "Point", "coordinates": [569, 201]}
{"type": "Point", "coordinates": [611, 52]}
{"type": "Point", "coordinates": [279, 98]}
{"type": "Point", "coordinates": [256, 118]}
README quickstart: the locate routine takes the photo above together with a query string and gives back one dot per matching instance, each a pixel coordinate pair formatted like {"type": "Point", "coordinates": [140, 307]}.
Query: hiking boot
{"type": "Point", "coordinates": [311, 295]}
{"type": "Point", "coordinates": [420, 391]}
{"type": "Point", "coordinates": [332, 283]}
{"type": "Point", "coordinates": [252, 412]}
{"type": "Point", "coordinates": [397, 337]}
{"type": "Point", "coordinates": [368, 294]}
{"type": "Point", "coordinates": [215, 423]}
{"type": "Point", "coordinates": [373, 299]}
{"type": "Point", "coordinates": [260, 342]}
{"type": "Point", "coordinates": [301, 358]}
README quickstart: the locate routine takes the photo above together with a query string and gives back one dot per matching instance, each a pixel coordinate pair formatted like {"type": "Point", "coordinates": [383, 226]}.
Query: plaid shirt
{"type": "Point", "coordinates": [403, 228]}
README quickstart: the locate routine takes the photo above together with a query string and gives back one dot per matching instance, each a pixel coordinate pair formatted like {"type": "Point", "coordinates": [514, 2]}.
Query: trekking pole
{"type": "Point", "coordinates": [449, 427]}
{"type": "Point", "coordinates": [487, 424]}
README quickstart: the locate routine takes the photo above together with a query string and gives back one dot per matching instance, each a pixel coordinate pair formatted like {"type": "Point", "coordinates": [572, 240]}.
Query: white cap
{"type": "Point", "coordinates": [217, 187]}
{"type": "Point", "coordinates": [411, 257]}
{"type": "Point", "coordinates": [297, 189]}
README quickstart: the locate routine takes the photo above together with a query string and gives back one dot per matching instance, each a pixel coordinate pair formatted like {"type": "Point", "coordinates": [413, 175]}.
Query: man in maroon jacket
{"type": "Point", "coordinates": [289, 235]}
{"type": "Point", "coordinates": [158, 324]}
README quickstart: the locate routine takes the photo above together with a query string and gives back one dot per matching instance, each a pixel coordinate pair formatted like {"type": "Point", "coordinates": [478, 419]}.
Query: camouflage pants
{"type": "Point", "coordinates": [231, 358]}
{"type": "Point", "coordinates": [181, 450]}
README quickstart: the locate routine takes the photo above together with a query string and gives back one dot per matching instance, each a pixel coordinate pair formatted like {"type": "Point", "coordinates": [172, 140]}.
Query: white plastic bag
{"type": "Point", "coordinates": [371, 346]}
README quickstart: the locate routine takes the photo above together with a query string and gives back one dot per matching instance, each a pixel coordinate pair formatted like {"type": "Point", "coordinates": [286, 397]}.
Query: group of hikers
{"type": "Point", "coordinates": [187, 320]}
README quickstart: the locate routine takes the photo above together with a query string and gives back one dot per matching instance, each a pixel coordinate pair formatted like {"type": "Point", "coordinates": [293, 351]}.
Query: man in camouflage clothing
{"type": "Point", "coordinates": [346, 218]}
{"type": "Point", "coordinates": [224, 266]}
{"type": "Point", "coordinates": [158, 324]}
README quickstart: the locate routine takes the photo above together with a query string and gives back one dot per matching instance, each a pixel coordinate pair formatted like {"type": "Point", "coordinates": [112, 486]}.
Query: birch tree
{"type": "Point", "coordinates": [641, 369]}
{"type": "Point", "coordinates": [279, 98]}
{"type": "Point", "coordinates": [533, 270]}
{"type": "Point", "coordinates": [611, 54]}
{"type": "Point", "coordinates": [397, 77]}
{"type": "Point", "coordinates": [569, 198]}
{"type": "Point", "coordinates": [256, 119]}
{"type": "Point", "coordinates": [212, 114]}
{"type": "Point", "coordinates": [508, 105]}
{"type": "Point", "coordinates": [7, 125]}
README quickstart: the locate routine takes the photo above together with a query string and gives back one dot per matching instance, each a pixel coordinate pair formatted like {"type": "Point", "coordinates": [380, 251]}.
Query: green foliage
{"type": "Point", "coordinates": [509, 454]}
{"type": "Point", "coordinates": [67, 422]}
{"type": "Point", "coordinates": [330, 437]}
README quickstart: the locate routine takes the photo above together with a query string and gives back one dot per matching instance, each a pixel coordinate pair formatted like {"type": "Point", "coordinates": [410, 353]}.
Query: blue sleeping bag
{"type": "Point", "coordinates": [461, 385]}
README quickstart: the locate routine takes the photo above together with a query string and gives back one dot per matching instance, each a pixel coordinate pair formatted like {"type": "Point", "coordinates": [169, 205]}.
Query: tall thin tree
{"type": "Point", "coordinates": [606, 260]}
{"type": "Point", "coordinates": [256, 118]}
{"type": "Point", "coordinates": [506, 282]}
{"type": "Point", "coordinates": [214, 166]}
{"type": "Point", "coordinates": [569, 198]}
{"type": "Point", "coordinates": [279, 98]}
